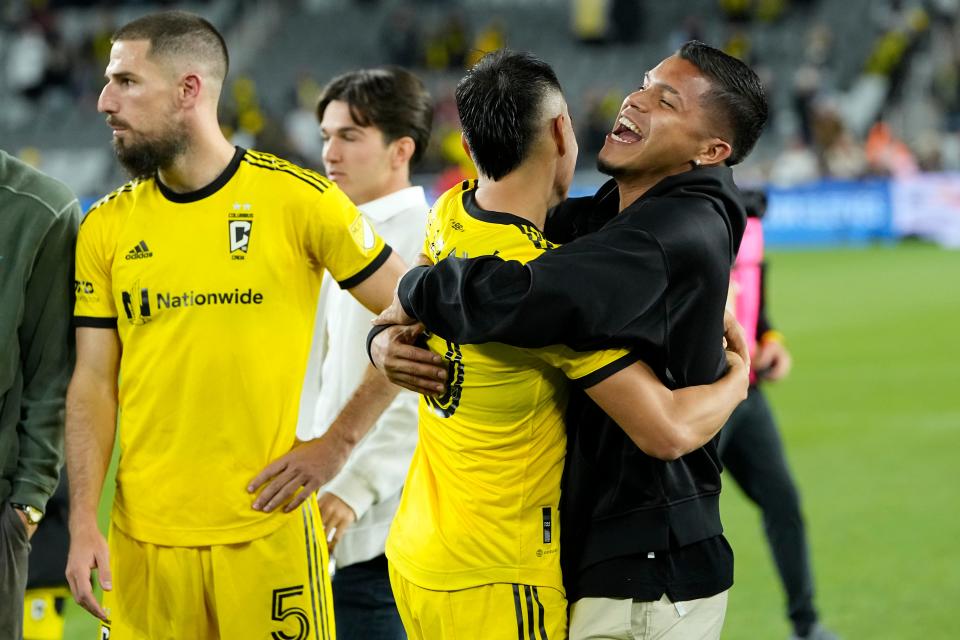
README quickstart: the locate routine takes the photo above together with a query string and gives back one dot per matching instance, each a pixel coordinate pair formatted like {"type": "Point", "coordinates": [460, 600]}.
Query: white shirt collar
{"type": "Point", "coordinates": [382, 209]}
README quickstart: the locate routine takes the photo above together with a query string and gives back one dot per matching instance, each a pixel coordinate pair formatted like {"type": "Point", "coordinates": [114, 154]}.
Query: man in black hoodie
{"type": "Point", "coordinates": [643, 550]}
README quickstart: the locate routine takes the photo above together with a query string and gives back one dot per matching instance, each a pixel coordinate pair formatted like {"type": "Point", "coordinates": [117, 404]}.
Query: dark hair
{"type": "Point", "coordinates": [390, 98]}
{"type": "Point", "coordinates": [499, 102]}
{"type": "Point", "coordinates": [177, 33]}
{"type": "Point", "coordinates": [736, 98]}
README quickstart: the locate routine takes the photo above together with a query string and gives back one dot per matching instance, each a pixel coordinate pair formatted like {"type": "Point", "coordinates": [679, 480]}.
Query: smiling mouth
{"type": "Point", "coordinates": [626, 132]}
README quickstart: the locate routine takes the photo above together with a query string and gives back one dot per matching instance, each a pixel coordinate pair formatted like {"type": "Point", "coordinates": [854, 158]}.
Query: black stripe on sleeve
{"type": "Point", "coordinates": [97, 323]}
{"type": "Point", "coordinates": [368, 270]}
{"type": "Point", "coordinates": [519, 610]}
{"type": "Point", "coordinates": [606, 371]}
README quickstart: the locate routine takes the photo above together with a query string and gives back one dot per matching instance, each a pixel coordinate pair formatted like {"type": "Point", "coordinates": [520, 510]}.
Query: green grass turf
{"type": "Point", "coordinates": [871, 419]}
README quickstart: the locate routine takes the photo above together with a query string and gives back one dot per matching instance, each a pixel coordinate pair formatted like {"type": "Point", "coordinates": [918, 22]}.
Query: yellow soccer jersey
{"type": "Point", "coordinates": [213, 294]}
{"type": "Point", "coordinates": [480, 502]}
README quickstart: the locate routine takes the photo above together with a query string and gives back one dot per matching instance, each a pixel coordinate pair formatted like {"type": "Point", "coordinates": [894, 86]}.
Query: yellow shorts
{"type": "Point", "coordinates": [43, 613]}
{"type": "Point", "coordinates": [499, 611]}
{"type": "Point", "coordinates": [275, 587]}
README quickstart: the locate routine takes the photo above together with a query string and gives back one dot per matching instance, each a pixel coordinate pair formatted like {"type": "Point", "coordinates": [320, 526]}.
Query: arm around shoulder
{"type": "Point", "coordinates": [569, 295]}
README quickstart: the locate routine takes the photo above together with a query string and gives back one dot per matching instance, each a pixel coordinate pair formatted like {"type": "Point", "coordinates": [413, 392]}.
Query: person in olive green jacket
{"type": "Point", "coordinates": [38, 230]}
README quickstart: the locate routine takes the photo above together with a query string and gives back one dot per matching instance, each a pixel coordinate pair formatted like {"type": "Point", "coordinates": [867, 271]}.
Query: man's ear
{"type": "Point", "coordinates": [191, 85]}
{"type": "Point", "coordinates": [557, 131]}
{"type": "Point", "coordinates": [716, 151]}
{"type": "Point", "coordinates": [403, 150]}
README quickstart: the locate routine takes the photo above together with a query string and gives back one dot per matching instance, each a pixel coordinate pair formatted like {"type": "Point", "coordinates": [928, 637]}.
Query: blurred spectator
{"type": "Point", "coordinates": [601, 109]}
{"type": "Point", "coordinates": [738, 44]}
{"type": "Point", "coordinates": [946, 89]}
{"type": "Point", "coordinates": [826, 124]}
{"type": "Point", "coordinates": [491, 38]}
{"type": "Point", "coordinates": [300, 124]}
{"type": "Point", "coordinates": [929, 151]}
{"type": "Point", "coordinates": [690, 29]}
{"type": "Point", "coordinates": [844, 158]}
{"type": "Point", "coordinates": [887, 155]}
{"type": "Point", "coordinates": [400, 35]}
{"type": "Point", "coordinates": [770, 10]}
{"type": "Point", "coordinates": [819, 45]}
{"type": "Point", "coordinates": [27, 61]}
{"type": "Point", "coordinates": [446, 48]}
{"type": "Point", "coordinates": [590, 20]}
{"type": "Point", "coordinates": [806, 83]}
{"type": "Point", "coordinates": [797, 164]}
{"type": "Point", "coordinates": [737, 11]}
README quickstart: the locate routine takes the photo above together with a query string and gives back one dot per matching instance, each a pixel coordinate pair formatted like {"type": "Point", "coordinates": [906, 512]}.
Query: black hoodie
{"type": "Point", "coordinates": [653, 278]}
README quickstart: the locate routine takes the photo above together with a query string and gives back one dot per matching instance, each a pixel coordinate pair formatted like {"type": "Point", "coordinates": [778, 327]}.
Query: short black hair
{"type": "Point", "coordinates": [179, 33]}
{"type": "Point", "coordinates": [737, 97]}
{"type": "Point", "coordinates": [392, 99]}
{"type": "Point", "coordinates": [499, 101]}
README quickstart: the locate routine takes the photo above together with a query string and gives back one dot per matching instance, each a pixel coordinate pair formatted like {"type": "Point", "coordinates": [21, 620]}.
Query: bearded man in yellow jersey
{"type": "Point", "coordinates": [197, 284]}
{"type": "Point", "coordinates": [474, 548]}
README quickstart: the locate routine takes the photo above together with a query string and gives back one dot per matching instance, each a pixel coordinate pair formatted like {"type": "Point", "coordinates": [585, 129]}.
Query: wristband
{"type": "Point", "coordinates": [772, 336]}
{"type": "Point", "coordinates": [377, 330]}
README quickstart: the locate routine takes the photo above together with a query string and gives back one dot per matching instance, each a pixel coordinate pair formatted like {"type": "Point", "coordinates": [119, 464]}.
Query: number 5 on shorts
{"type": "Point", "coordinates": [280, 614]}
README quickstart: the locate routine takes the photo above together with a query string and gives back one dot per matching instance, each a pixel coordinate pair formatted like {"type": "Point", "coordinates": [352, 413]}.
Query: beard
{"type": "Point", "coordinates": [608, 169]}
{"type": "Point", "coordinates": [143, 158]}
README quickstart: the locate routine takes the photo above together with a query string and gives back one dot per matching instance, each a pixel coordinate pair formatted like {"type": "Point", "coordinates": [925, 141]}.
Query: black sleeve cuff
{"type": "Point", "coordinates": [368, 270]}
{"type": "Point", "coordinates": [606, 371]}
{"type": "Point", "coordinates": [407, 288]}
{"type": "Point", "coordinates": [97, 323]}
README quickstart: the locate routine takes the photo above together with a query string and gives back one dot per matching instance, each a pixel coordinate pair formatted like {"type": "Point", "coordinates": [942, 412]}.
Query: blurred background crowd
{"type": "Point", "coordinates": [858, 88]}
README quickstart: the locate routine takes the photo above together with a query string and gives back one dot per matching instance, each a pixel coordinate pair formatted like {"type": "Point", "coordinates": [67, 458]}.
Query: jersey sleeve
{"type": "Point", "coordinates": [93, 284]}
{"type": "Point", "coordinates": [428, 231]}
{"type": "Point", "coordinates": [586, 369]}
{"type": "Point", "coordinates": [343, 240]}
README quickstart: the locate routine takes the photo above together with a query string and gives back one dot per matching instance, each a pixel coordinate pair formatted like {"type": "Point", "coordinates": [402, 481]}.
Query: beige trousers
{"type": "Point", "coordinates": [609, 619]}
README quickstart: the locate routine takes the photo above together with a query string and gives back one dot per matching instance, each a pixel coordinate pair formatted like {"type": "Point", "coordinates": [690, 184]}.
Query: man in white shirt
{"type": "Point", "coordinates": [375, 125]}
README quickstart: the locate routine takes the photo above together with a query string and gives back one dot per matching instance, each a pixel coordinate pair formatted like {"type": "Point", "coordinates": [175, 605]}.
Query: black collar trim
{"type": "Point", "coordinates": [495, 217]}
{"type": "Point", "coordinates": [210, 189]}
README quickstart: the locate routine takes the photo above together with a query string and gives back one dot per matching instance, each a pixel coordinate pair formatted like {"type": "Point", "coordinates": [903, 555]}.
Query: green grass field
{"type": "Point", "coordinates": [871, 418]}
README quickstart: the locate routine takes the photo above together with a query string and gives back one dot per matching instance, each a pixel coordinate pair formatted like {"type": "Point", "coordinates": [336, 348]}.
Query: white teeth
{"type": "Point", "coordinates": [618, 138]}
{"type": "Point", "coordinates": [629, 125]}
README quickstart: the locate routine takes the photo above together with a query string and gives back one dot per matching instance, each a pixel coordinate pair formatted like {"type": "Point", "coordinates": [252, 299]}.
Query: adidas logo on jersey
{"type": "Point", "coordinates": [139, 252]}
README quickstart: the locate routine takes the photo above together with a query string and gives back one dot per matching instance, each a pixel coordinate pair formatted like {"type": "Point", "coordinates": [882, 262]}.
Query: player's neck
{"type": "Point", "coordinates": [634, 185]}
{"type": "Point", "coordinates": [205, 158]}
{"type": "Point", "coordinates": [523, 192]}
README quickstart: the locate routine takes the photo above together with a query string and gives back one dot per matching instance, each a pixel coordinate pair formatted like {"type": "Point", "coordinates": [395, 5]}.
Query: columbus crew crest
{"type": "Point", "coordinates": [240, 226]}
